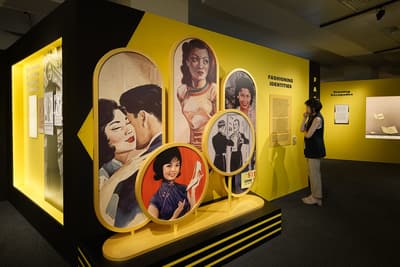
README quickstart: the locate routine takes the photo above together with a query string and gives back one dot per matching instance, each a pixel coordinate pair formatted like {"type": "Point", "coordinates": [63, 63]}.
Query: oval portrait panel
{"type": "Point", "coordinates": [229, 142]}
{"type": "Point", "coordinates": [172, 183]}
{"type": "Point", "coordinates": [240, 93]}
{"type": "Point", "coordinates": [194, 98]}
{"type": "Point", "coordinates": [128, 102]}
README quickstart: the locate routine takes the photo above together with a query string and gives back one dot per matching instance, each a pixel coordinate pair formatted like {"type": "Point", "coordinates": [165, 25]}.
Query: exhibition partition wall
{"type": "Point", "coordinates": [37, 128]}
{"type": "Point", "coordinates": [4, 135]}
{"type": "Point", "coordinates": [100, 103]}
{"type": "Point", "coordinates": [82, 46]}
{"type": "Point", "coordinates": [362, 120]}
{"type": "Point", "coordinates": [282, 167]}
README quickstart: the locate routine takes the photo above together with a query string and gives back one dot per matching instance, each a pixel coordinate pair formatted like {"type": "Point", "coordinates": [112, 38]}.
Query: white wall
{"type": "Point", "coordinates": [174, 9]}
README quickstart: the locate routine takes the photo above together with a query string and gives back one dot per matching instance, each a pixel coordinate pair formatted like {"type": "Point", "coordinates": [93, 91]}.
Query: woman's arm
{"type": "Point", "coordinates": [191, 195]}
{"type": "Point", "coordinates": [178, 210]}
{"type": "Point", "coordinates": [314, 126]}
{"type": "Point", "coordinates": [181, 92]}
{"type": "Point", "coordinates": [213, 99]}
{"type": "Point", "coordinates": [153, 210]}
{"type": "Point", "coordinates": [107, 190]}
{"type": "Point", "coordinates": [303, 123]}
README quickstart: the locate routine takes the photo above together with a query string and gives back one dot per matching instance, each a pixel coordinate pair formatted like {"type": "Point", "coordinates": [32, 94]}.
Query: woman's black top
{"type": "Point", "coordinates": [314, 146]}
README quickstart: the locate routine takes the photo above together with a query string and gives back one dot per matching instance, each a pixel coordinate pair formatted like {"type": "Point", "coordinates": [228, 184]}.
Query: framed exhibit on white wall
{"type": "Point", "coordinates": [382, 117]}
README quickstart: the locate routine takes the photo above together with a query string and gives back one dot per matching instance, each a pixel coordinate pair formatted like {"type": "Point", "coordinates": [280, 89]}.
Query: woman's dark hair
{"type": "Point", "coordinates": [187, 48]}
{"type": "Point", "coordinates": [106, 115]}
{"type": "Point", "coordinates": [163, 158]}
{"type": "Point", "coordinates": [241, 83]}
{"type": "Point", "coordinates": [314, 104]}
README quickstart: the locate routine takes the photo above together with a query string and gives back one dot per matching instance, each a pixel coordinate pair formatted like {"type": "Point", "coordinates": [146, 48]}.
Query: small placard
{"type": "Point", "coordinates": [342, 114]}
{"type": "Point", "coordinates": [33, 131]}
{"type": "Point", "coordinates": [247, 179]}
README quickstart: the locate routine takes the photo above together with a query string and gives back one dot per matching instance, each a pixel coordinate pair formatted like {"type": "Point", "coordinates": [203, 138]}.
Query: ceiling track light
{"type": "Point", "coordinates": [376, 8]}
{"type": "Point", "coordinates": [380, 13]}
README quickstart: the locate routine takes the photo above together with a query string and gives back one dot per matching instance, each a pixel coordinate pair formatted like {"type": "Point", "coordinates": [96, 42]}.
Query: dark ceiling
{"type": "Point", "coordinates": [359, 47]}
{"type": "Point", "coordinates": [18, 16]}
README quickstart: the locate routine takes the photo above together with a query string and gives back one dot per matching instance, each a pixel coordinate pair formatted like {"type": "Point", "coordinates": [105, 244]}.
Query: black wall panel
{"type": "Point", "coordinates": [89, 29]}
{"type": "Point", "coordinates": [314, 80]}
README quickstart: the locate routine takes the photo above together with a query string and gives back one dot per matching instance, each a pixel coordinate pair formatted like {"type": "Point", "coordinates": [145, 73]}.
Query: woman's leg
{"type": "Point", "coordinates": [314, 168]}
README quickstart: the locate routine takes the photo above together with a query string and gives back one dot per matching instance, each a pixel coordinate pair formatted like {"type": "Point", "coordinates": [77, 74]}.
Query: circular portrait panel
{"type": "Point", "coordinates": [229, 142]}
{"type": "Point", "coordinates": [128, 111]}
{"type": "Point", "coordinates": [172, 183]}
{"type": "Point", "coordinates": [240, 93]}
{"type": "Point", "coordinates": [195, 90]}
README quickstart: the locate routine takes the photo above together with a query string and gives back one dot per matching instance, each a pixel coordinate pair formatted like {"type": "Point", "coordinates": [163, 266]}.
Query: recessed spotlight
{"type": "Point", "coordinates": [380, 14]}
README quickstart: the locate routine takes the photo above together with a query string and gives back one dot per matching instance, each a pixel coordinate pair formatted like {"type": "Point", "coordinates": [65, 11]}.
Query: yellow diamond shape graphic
{"type": "Point", "coordinates": [85, 134]}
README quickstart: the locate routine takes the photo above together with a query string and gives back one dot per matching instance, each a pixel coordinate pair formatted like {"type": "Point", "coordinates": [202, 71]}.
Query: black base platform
{"type": "Point", "coordinates": [212, 247]}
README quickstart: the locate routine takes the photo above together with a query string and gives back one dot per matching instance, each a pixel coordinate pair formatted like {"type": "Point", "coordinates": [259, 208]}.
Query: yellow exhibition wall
{"type": "Point", "coordinates": [28, 152]}
{"type": "Point", "coordinates": [280, 170]}
{"type": "Point", "coordinates": [348, 142]}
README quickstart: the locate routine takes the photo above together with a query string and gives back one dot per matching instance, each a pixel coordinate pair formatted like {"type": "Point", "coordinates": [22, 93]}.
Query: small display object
{"type": "Point", "coordinates": [37, 128]}
{"type": "Point", "coordinates": [341, 114]}
{"type": "Point", "coordinates": [280, 125]}
{"type": "Point", "coordinates": [172, 183]}
{"type": "Point", "coordinates": [240, 93]}
{"type": "Point", "coordinates": [48, 113]}
{"type": "Point", "coordinates": [129, 124]}
{"type": "Point", "coordinates": [195, 90]}
{"type": "Point", "coordinates": [40, 108]}
{"type": "Point", "coordinates": [229, 142]}
{"type": "Point", "coordinates": [382, 117]}
{"type": "Point", "coordinates": [33, 130]}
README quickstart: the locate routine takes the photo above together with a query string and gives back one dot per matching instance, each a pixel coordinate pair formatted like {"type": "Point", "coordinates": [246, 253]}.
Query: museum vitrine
{"type": "Point", "coordinates": [37, 128]}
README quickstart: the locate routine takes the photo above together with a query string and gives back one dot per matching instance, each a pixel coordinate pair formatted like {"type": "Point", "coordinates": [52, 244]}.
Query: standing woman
{"type": "Point", "coordinates": [198, 92]}
{"type": "Point", "coordinates": [313, 129]}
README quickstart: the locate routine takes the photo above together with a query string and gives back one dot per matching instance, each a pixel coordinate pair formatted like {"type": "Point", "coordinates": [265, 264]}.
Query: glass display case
{"type": "Point", "coordinates": [37, 128]}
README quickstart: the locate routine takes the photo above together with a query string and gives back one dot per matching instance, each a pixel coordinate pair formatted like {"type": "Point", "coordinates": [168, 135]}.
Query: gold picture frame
{"type": "Point", "coordinates": [177, 118]}
{"type": "Point", "coordinates": [148, 163]}
{"type": "Point", "coordinates": [154, 76]}
{"type": "Point", "coordinates": [252, 116]}
{"type": "Point", "coordinates": [211, 128]}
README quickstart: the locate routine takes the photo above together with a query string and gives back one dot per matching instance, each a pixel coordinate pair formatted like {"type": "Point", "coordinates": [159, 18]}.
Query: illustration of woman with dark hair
{"type": "Point", "coordinates": [117, 156]}
{"type": "Point", "coordinates": [51, 84]}
{"type": "Point", "coordinates": [173, 200]}
{"type": "Point", "coordinates": [198, 92]}
{"type": "Point", "coordinates": [117, 140]}
{"type": "Point", "coordinates": [244, 97]}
